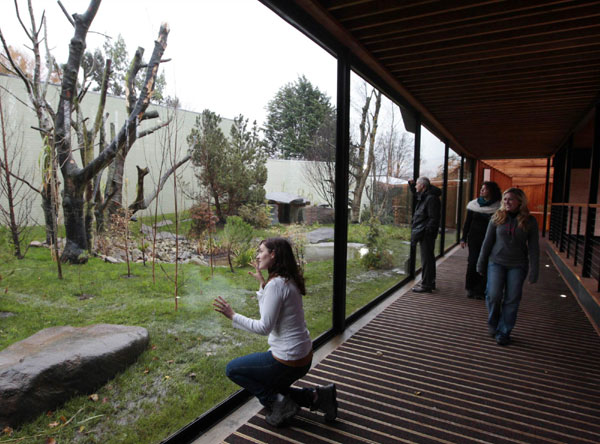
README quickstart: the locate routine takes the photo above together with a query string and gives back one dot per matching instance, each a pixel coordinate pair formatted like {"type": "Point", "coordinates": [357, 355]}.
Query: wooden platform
{"type": "Point", "coordinates": [425, 371]}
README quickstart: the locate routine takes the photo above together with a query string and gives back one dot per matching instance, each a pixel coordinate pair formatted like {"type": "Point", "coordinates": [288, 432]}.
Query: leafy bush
{"type": "Point", "coordinates": [259, 216]}
{"type": "Point", "coordinates": [203, 219]}
{"type": "Point", "coordinates": [244, 257]}
{"type": "Point", "coordinates": [236, 237]}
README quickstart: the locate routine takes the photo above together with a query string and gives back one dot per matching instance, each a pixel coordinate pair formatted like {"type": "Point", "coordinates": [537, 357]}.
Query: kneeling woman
{"type": "Point", "coordinates": [269, 375]}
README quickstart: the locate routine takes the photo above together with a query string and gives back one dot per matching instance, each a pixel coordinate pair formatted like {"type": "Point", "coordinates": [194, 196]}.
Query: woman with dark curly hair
{"type": "Point", "coordinates": [269, 375]}
{"type": "Point", "coordinates": [479, 212]}
{"type": "Point", "coordinates": [510, 250]}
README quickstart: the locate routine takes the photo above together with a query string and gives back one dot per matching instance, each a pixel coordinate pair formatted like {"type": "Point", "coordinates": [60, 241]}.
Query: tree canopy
{"type": "Point", "coordinates": [233, 171]}
{"type": "Point", "coordinates": [93, 64]}
{"type": "Point", "coordinates": [294, 117]}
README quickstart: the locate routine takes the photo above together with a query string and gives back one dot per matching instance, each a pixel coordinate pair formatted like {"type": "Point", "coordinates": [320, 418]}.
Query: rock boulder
{"type": "Point", "coordinates": [45, 370]}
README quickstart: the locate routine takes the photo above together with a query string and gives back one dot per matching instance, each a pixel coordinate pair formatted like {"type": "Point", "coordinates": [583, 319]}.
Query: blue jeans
{"type": "Point", "coordinates": [503, 295]}
{"type": "Point", "coordinates": [264, 376]}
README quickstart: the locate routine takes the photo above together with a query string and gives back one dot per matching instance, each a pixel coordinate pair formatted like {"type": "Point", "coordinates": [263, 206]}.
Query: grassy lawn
{"type": "Point", "coordinates": [181, 374]}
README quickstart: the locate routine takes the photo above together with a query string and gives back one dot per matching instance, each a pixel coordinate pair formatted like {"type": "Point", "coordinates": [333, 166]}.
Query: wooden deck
{"type": "Point", "coordinates": [425, 371]}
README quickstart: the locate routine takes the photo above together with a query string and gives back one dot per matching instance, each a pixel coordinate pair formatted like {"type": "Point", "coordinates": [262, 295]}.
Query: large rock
{"type": "Point", "coordinates": [324, 234]}
{"type": "Point", "coordinates": [43, 371]}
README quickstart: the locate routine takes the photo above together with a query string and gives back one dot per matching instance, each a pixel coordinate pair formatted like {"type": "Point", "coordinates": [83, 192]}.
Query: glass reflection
{"type": "Point", "coordinates": [381, 160]}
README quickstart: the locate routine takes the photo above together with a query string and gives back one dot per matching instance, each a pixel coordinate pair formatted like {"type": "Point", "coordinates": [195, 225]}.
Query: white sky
{"type": "Point", "coordinates": [230, 56]}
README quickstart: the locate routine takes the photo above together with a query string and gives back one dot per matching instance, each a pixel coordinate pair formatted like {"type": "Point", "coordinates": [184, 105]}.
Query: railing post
{"type": "Point", "coordinates": [570, 230]}
{"type": "Point", "coordinates": [577, 237]}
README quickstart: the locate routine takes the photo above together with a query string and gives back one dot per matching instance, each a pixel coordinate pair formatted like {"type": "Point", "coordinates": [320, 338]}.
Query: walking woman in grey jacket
{"type": "Point", "coordinates": [510, 250]}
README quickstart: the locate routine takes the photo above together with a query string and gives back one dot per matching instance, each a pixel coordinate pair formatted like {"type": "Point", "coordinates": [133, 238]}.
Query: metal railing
{"type": "Point", "coordinates": [575, 231]}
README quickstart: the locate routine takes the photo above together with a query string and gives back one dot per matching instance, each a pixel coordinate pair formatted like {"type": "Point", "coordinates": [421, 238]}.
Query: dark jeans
{"type": "Point", "coordinates": [264, 376]}
{"type": "Point", "coordinates": [504, 290]}
{"type": "Point", "coordinates": [427, 245]}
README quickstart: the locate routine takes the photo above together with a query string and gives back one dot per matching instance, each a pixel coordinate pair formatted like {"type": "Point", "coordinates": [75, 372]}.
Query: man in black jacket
{"type": "Point", "coordinates": [425, 226]}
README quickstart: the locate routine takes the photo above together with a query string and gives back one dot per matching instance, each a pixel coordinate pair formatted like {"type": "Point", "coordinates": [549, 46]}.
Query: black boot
{"type": "Point", "coordinates": [326, 402]}
{"type": "Point", "coordinates": [283, 408]}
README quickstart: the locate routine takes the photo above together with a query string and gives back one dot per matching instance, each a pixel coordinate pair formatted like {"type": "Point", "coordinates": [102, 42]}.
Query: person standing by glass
{"type": "Point", "coordinates": [510, 249]}
{"type": "Point", "coordinates": [479, 212]}
{"type": "Point", "coordinates": [424, 229]}
{"type": "Point", "coordinates": [269, 375]}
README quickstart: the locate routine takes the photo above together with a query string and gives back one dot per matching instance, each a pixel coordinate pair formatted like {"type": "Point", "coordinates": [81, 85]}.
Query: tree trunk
{"type": "Point", "coordinates": [114, 186]}
{"type": "Point", "coordinates": [76, 246]}
{"type": "Point", "coordinates": [47, 208]}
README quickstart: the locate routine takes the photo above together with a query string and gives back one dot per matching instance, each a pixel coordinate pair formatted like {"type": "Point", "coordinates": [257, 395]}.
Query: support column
{"type": "Point", "coordinates": [444, 200]}
{"type": "Point", "coordinates": [565, 194]}
{"type": "Point", "coordinates": [546, 191]}
{"type": "Point", "coordinates": [416, 172]}
{"type": "Point", "coordinates": [459, 204]}
{"type": "Point", "coordinates": [340, 235]}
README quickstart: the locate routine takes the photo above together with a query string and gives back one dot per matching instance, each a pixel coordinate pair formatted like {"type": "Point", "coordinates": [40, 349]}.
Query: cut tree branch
{"type": "Point", "coordinates": [127, 134]}
{"type": "Point", "coordinates": [141, 203]}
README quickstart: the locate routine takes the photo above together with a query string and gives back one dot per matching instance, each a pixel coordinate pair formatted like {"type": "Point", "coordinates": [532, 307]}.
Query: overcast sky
{"type": "Point", "coordinates": [230, 56]}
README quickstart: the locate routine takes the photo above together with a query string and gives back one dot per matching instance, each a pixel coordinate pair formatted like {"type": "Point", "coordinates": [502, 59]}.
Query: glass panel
{"type": "Point", "coordinates": [381, 162]}
{"type": "Point", "coordinates": [452, 210]}
{"type": "Point", "coordinates": [236, 63]}
{"type": "Point", "coordinates": [432, 165]}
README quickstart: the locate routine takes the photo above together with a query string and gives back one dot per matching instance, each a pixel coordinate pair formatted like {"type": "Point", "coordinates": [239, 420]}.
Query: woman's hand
{"type": "Point", "coordinates": [257, 274]}
{"type": "Point", "coordinates": [223, 307]}
{"type": "Point", "coordinates": [462, 244]}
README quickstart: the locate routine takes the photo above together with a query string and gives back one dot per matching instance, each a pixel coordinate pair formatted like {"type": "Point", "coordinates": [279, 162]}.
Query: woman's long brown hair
{"type": "Point", "coordinates": [284, 264]}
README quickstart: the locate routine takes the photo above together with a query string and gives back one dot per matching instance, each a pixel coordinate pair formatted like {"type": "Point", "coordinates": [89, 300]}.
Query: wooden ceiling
{"type": "Point", "coordinates": [497, 78]}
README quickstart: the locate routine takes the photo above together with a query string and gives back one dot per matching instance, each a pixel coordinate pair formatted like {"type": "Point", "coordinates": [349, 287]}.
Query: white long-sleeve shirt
{"type": "Point", "coordinates": [282, 318]}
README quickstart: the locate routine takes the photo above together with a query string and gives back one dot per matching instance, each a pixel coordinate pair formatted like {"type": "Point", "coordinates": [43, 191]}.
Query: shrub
{"type": "Point", "coordinates": [377, 256]}
{"type": "Point", "coordinates": [236, 237]}
{"type": "Point", "coordinates": [203, 219]}
{"type": "Point", "coordinates": [259, 216]}
{"type": "Point", "coordinates": [245, 257]}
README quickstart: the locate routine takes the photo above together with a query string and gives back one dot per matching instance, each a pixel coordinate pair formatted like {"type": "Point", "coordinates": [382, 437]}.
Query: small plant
{"type": "Point", "coordinates": [143, 246]}
{"type": "Point", "coordinates": [119, 224]}
{"type": "Point", "coordinates": [244, 257]}
{"type": "Point", "coordinates": [377, 256]}
{"type": "Point", "coordinates": [297, 237]}
{"type": "Point", "coordinates": [236, 237]}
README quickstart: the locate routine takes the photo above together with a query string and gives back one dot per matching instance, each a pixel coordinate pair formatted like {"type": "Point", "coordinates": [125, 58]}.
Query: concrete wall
{"type": "Point", "coordinates": [283, 175]}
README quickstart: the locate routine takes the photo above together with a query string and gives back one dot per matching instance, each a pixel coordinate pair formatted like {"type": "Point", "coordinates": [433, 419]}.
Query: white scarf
{"type": "Point", "coordinates": [489, 209]}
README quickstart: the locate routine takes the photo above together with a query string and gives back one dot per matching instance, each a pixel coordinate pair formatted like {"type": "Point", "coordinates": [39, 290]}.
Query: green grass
{"type": "Point", "coordinates": [181, 374]}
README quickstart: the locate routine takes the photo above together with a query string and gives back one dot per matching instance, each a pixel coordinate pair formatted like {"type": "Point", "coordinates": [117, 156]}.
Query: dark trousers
{"type": "Point", "coordinates": [427, 245]}
{"type": "Point", "coordinates": [474, 282]}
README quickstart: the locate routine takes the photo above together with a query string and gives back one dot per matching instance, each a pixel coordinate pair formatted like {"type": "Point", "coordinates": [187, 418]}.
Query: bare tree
{"type": "Point", "coordinates": [76, 178]}
{"type": "Point", "coordinates": [36, 84]}
{"type": "Point", "coordinates": [113, 194]}
{"type": "Point", "coordinates": [16, 213]}
{"type": "Point", "coordinates": [393, 160]}
{"type": "Point", "coordinates": [319, 171]}
{"type": "Point", "coordinates": [363, 153]}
